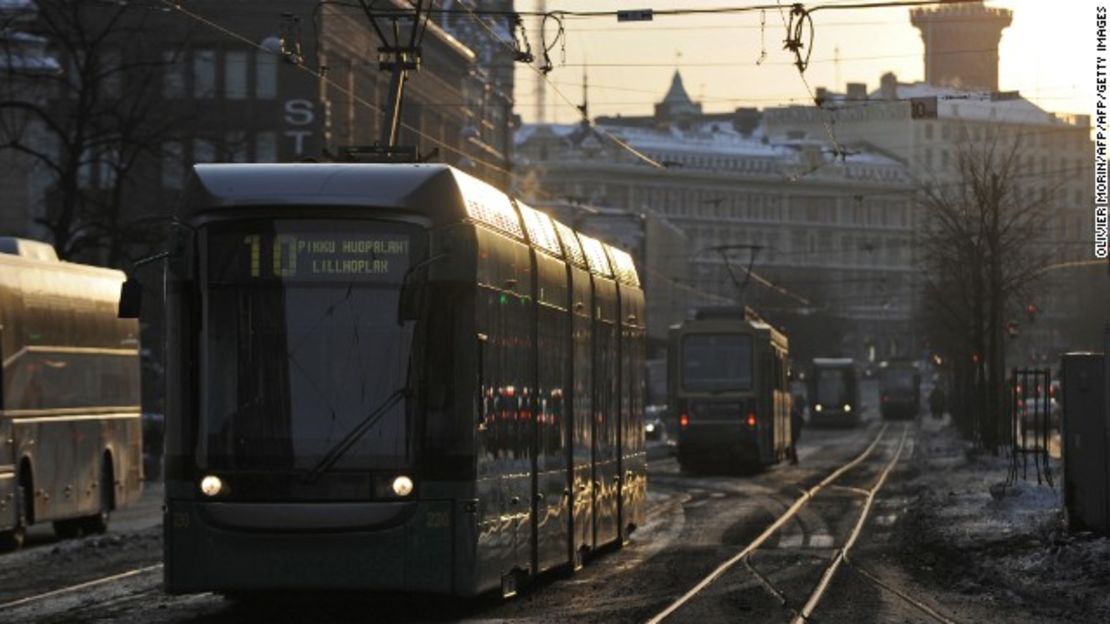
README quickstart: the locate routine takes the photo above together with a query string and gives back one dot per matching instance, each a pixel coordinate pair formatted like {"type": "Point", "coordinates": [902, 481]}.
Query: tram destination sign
{"type": "Point", "coordinates": [310, 256]}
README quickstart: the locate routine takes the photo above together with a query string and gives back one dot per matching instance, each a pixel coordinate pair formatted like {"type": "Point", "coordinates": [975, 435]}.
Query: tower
{"type": "Point", "coordinates": [961, 44]}
{"type": "Point", "coordinates": [676, 108]}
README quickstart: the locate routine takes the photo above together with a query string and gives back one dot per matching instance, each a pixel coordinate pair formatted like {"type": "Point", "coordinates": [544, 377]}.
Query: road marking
{"type": "Point", "coordinates": [769, 531]}
{"type": "Point", "coordinates": [820, 541]}
{"type": "Point", "coordinates": [794, 540]}
{"type": "Point", "coordinates": [80, 586]}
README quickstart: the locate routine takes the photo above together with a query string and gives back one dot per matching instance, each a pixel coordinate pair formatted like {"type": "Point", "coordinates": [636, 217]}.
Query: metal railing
{"type": "Point", "coordinates": [1031, 422]}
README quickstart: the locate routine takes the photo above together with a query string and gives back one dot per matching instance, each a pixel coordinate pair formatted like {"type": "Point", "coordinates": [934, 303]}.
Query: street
{"type": "Point", "coordinates": [695, 524]}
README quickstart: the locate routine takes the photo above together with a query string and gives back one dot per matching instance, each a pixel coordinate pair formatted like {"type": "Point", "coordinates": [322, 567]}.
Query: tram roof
{"type": "Point", "coordinates": [419, 188]}
{"type": "Point", "coordinates": [437, 192]}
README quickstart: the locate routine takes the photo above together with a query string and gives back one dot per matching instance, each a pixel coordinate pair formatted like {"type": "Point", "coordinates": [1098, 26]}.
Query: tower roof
{"type": "Point", "coordinates": [677, 93]}
{"type": "Point", "coordinates": [676, 105]}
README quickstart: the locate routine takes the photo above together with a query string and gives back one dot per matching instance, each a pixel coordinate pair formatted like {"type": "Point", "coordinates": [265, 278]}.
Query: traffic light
{"type": "Point", "coordinates": [1031, 310]}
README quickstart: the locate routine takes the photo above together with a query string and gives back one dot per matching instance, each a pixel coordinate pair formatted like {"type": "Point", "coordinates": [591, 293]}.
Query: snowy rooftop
{"type": "Point", "coordinates": [980, 105]}
{"type": "Point", "coordinates": [707, 138]}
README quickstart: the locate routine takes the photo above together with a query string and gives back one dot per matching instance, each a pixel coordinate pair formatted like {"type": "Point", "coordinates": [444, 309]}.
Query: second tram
{"type": "Point", "coordinates": [396, 378]}
{"type": "Point", "coordinates": [729, 390]}
{"type": "Point", "coordinates": [833, 393]}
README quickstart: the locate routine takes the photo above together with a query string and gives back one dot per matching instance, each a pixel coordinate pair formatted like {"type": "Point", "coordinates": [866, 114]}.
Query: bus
{"type": "Point", "coordinates": [834, 393]}
{"type": "Point", "coordinates": [393, 377]}
{"type": "Point", "coordinates": [899, 389]}
{"type": "Point", "coordinates": [70, 432]}
{"type": "Point", "coordinates": [728, 379]}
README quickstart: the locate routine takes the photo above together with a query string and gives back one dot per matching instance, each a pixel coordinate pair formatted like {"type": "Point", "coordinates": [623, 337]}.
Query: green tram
{"type": "Point", "coordinates": [393, 377]}
{"type": "Point", "coordinates": [70, 431]}
{"type": "Point", "coordinates": [728, 377]}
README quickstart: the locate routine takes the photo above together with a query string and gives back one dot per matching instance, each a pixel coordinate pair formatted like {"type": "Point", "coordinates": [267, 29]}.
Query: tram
{"type": "Point", "coordinates": [899, 389]}
{"type": "Point", "coordinates": [834, 393]}
{"type": "Point", "coordinates": [393, 377]}
{"type": "Point", "coordinates": [729, 390]}
{"type": "Point", "coordinates": [70, 431]}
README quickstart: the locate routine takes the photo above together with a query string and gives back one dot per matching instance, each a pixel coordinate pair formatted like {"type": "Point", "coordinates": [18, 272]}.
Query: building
{"type": "Point", "coordinates": [831, 234]}
{"type": "Point", "coordinates": [273, 81]}
{"type": "Point", "coordinates": [961, 44]}
{"type": "Point", "coordinates": [959, 106]}
{"type": "Point", "coordinates": [24, 59]}
{"type": "Point", "coordinates": [316, 87]}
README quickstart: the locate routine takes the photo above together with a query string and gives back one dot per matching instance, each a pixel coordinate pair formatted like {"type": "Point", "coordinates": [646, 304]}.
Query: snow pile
{"type": "Point", "coordinates": [974, 534]}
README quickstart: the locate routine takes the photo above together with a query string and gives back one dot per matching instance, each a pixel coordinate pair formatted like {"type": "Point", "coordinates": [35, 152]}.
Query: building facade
{"type": "Point", "coordinates": [273, 81]}
{"type": "Point", "coordinates": [1051, 162]}
{"type": "Point", "coordinates": [830, 235]}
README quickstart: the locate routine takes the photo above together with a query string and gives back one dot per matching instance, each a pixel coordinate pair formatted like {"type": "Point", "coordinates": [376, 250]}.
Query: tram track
{"type": "Point", "coordinates": [802, 613]}
{"type": "Point", "coordinates": [771, 530]}
{"type": "Point", "coordinates": [78, 587]}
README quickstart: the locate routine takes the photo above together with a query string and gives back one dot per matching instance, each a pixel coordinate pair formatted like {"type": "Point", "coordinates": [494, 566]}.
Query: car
{"type": "Point", "coordinates": [654, 427]}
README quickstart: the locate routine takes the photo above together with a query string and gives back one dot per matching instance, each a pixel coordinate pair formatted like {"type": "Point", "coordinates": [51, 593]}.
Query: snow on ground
{"type": "Point", "coordinates": [971, 534]}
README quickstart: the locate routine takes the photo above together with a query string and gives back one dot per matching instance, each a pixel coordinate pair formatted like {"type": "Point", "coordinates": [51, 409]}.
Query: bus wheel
{"type": "Point", "coordinates": [98, 522]}
{"type": "Point", "coordinates": [12, 539]}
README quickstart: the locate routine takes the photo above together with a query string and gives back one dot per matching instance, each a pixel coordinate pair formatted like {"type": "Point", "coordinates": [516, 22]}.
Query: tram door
{"type": "Point", "coordinates": [582, 433]}
{"type": "Point", "coordinates": [606, 412]}
{"type": "Point", "coordinates": [551, 513]}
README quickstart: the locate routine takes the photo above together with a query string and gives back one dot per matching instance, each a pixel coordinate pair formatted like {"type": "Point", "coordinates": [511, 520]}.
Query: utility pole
{"type": "Point", "coordinates": [541, 80]}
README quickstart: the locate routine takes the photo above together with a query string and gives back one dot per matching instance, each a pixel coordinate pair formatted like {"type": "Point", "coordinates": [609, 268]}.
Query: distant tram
{"type": "Point", "coordinates": [70, 432]}
{"type": "Point", "coordinates": [729, 390]}
{"type": "Point", "coordinates": [899, 389]}
{"type": "Point", "coordinates": [834, 393]}
{"type": "Point", "coordinates": [393, 377]}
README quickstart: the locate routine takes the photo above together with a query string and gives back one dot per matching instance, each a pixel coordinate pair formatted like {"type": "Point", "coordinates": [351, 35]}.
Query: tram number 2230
{"type": "Point", "coordinates": [284, 256]}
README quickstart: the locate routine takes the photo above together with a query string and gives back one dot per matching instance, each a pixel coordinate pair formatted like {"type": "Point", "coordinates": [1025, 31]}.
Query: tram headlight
{"type": "Point", "coordinates": [817, 407]}
{"type": "Point", "coordinates": [402, 486]}
{"type": "Point", "coordinates": [211, 485]}
{"type": "Point", "coordinates": [847, 407]}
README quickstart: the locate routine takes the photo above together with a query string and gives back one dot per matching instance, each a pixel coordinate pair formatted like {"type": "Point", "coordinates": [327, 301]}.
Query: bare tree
{"type": "Point", "coordinates": [980, 264]}
{"type": "Point", "coordinates": [91, 123]}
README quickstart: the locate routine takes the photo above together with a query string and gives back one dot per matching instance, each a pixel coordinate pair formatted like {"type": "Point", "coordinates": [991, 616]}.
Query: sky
{"type": "Point", "coordinates": [1047, 54]}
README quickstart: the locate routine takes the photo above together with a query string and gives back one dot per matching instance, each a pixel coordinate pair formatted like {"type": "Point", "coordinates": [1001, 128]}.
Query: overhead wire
{"type": "Point", "coordinates": [543, 76]}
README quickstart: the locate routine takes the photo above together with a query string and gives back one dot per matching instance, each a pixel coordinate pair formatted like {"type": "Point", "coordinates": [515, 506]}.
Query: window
{"type": "Point", "coordinates": [235, 75]}
{"type": "Point", "coordinates": [265, 147]}
{"type": "Point", "coordinates": [236, 147]}
{"type": "Point", "coordinates": [111, 71]}
{"type": "Point", "coordinates": [265, 77]}
{"type": "Point", "coordinates": [204, 74]}
{"type": "Point", "coordinates": [173, 165]}
{"type": "Point", "coordinates": [173, 76]}
{"type": "Point", "coordinates": [204, 151]}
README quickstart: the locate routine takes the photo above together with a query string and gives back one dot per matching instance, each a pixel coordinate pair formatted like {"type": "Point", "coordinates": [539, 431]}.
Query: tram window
{"type": "Point", "coordinates": [715, 362]}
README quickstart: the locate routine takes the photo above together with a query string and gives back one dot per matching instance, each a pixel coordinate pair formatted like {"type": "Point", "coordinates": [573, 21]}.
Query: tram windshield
{"type": "Point", "coordinates": [716, 362]}
{"type": "Point", "coordinates": [302, 343]}
{"type": "Point", "coordinates": [832, 386]}
{"type": "Point", "coordinates": [899, 379]}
